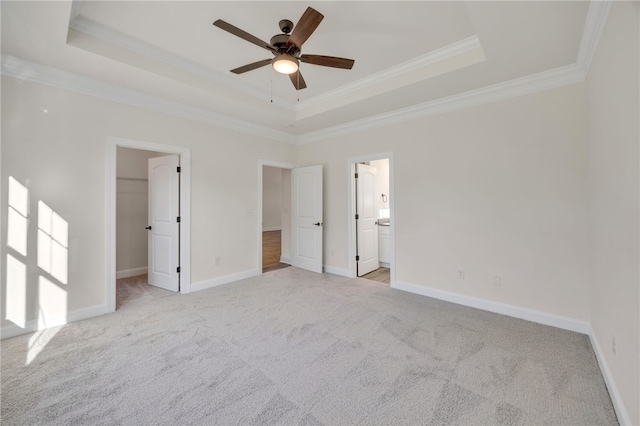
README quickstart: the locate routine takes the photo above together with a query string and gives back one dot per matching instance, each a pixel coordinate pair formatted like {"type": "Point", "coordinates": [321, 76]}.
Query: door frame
{"type": "Point", "coordinates": [185, 210]}
{"type": "Point", "coordinates": [261, 165]}
{"type": "Point", "coordinates": [351, 210]}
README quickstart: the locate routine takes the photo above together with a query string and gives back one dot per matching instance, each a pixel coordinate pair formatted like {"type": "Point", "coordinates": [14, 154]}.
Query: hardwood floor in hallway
{"type": "Point", "coordinates": [271, 251]}
{"type": "Point", "coordinates": [382, 275]}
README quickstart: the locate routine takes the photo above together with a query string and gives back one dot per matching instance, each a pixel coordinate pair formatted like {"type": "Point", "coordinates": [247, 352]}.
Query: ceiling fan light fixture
{"type": "Point", "coordinates": [285, 64]}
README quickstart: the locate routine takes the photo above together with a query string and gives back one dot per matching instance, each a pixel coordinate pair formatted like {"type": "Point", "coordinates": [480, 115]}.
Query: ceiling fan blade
{"type": "Point", "coordinates": [243, 35]}
{"type": "Point", "coordinates": [297, 80]}
{"type": "Point", "coordinates": [307, 24]}
{"type": "Point", "coordinates": [251, 67]}
{"type": "Point", "coordinates": [328, 61]}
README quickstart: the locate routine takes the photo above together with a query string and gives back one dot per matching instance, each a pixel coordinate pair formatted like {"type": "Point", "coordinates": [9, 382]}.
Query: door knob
{"type": "Point", "coordinates": [148, 228]}
{"type": "Point", "coordinates": [318, 224]}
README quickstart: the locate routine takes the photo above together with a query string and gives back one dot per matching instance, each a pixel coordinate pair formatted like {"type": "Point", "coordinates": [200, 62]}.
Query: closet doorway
{"type": "Point", "coordinates": [130, 190]}
{"type": "Point", "coordinates": [135, 194]}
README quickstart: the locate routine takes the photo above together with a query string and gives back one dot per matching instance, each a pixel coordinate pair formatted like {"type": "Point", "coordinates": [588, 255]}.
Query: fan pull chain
{"type": "Point", "coordinates": [272, 89]}
{"type": "Point", "coordinates": [298, 91]}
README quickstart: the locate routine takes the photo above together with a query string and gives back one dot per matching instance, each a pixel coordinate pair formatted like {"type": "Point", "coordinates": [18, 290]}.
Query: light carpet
{"type": "Point", "coordinates": [293, 347]}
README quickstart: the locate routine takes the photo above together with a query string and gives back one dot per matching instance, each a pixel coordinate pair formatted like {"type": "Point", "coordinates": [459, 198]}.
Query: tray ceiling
{"type": "Point", "coordinates": [409, 56]}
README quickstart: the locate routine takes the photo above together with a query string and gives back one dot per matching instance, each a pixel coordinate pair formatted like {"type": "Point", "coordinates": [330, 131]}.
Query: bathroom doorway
{"type": "Point", "coordinates": [371, 218]}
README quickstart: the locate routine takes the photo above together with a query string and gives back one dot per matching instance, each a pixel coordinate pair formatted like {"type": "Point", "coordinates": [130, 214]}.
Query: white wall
{"type": "Point", "coordinates": [271, 198]}
{"type": "Point", "coordinates": [60, 157]}
{"type": "Point", "coordinates": [614, 173]}
{"type": "Point", "coordinates": [495, 189]}
{"type": "Point", "coordinates": [133, 163]}
{"type": "Point", "coordinates": [382, 182]}
{"type": "Point", "coordinates": [131, 210]}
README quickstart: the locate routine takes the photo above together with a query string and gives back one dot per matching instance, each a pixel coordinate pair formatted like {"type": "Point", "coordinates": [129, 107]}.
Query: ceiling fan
{"type": "Point", "coordinates": [287, 47]}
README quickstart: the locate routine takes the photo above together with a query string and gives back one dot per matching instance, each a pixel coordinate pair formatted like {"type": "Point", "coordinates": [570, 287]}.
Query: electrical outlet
{"type": "Point", "coordinates": [217, 261]}
{"type": "Point", "coordinates": [613, 344]}
{"type": "Point", "coordinates": [461, 274]}
{"type": "Point", "coordinates": [497, 280]}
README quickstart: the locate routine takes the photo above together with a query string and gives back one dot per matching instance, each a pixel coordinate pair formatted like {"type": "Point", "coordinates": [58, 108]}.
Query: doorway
{"type": "Point", "coordinates": [128, 166]}
{"type": "Point", "coordinates": [371, 218]}
{"type": "Point", "coordinates": [132, 224]}
{"type": "Point", "coordinates": [274, 218]}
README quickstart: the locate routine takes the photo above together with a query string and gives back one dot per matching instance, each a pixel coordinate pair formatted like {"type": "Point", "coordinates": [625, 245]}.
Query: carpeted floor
{"type": "Point", "coordinates": [293, 347]}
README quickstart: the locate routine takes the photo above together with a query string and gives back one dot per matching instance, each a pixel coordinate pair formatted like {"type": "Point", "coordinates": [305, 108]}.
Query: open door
{"type": "Point", "coordinates": [306, 218]}
{"type": "Point", "coordinates": [164, 225]}
{"type": "Point", "coordinates": [366, 220]}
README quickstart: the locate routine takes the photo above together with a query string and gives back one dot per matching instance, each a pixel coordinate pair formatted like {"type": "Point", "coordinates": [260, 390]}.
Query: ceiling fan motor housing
{"type": "Point", "coordinates": [285, 26]}
{"type": "Point", "coordinates": [279, 41]}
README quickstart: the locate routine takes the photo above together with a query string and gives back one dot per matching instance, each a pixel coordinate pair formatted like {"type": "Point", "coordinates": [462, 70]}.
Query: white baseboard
{"type": "Point", "coordinates": [53, 321]}
{"type": "Point", "coordinates": [616, 399]}
{"type": "Point", "coordinates": [286, 260]}
{"type": "Point", "coordinates": [545, 318]}
{"type": "Point", "coordinates": [271, 228]}
{"type": "Point", "coordinates": [126, 273]}
{"type": "Point", "coordinates": [336, 271]}
{"type": "Point", "coordinates": [214, 282]}
{"type": "Point", "coordinates": [385, 264]}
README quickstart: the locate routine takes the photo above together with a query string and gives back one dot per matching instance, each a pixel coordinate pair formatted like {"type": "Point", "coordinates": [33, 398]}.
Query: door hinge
{"type": "Point", "coordinates": [179, 169]}
{"type": "Point", "coordinates": [357, 216]}
{"type": "Point", "coordinates": [178, 218]}
{"type": "Point", "coordinates": [356, 176]}
{"type": "Point", "coordinates": [357, 257]}
{"type": "Point", "coordinates": [178, 269]}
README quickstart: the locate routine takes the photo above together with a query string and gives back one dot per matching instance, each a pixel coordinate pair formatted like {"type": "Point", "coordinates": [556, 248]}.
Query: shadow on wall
{"type": "Point", "coordinates": [49, 296]}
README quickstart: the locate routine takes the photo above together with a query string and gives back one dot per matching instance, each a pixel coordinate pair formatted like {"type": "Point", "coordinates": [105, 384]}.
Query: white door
{"type": "Point", "coordinates": [164, 228]}
{"type": "Point", "coordinates": [306, 218]}
{"type": "Point", "coordinates": [366, 220]}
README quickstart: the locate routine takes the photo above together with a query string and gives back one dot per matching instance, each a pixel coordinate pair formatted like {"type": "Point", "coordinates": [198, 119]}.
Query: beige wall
{"type": "Point", "coordinates": [496, 189]}
{"type": "Point", "coordinates": [382, 182]}
{"type": "Point", "coordinates": [613, 94]}
{"type": "Point", "coordinates": [60, 157]}
{"type": "Point", "coordinates": [271, 198]}
{"type": "Point", "coordinates": [133, 163]}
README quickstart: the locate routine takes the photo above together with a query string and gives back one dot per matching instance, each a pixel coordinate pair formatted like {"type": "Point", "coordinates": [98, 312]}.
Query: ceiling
{"type": "Point", "coordinates": [409, 56]}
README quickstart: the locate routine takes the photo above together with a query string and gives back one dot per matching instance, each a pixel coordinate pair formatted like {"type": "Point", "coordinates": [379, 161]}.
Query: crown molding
{"type": "Point", "coordinates": [76, 5]}
{"type": "Point", "coordinates": [557, 77]}
{"type": "Point", "coordinates": [100, 32]}
{"type": "Point", "coordinates": [55, 77]}
{"type": "Point", "coordinates": [447, 52]}
{"type": "Point", "coordinates": [593, 27]}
